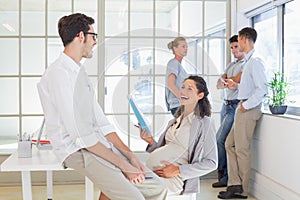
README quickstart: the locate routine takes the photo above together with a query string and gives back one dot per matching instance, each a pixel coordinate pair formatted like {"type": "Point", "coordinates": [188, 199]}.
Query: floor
{"type": "Point", "coordinates": [77, 192]}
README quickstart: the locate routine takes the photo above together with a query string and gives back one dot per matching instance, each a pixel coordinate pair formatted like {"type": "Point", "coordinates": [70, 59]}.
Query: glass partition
{"type": "Point", "coordinates": [56, 10]}
{"type": "Point", "coordinates": [9, 57]}
{"type": "Point", "coordinates": [136, 53]}
{"type": "Point", "coordinates": [191, 18]}
{"type": "Point", "coordinates": [9, 101]}
{"type": "Point", "coordinates": [33, 17]}
{"type": "Point", "coordinates": [136, 34]}
{"type": "Point", "coordinates": [213, 23]}
{"type": "Point", "coordinates": [32, 56]}
{"type": "Point", "coordinates": [26, 53]}
{"type": "Point", "coordinates": [116, 13]}
{"type": "Point", "coordinates": [166, 17]}
{"type": "Point", "coordinates": [9, 17]}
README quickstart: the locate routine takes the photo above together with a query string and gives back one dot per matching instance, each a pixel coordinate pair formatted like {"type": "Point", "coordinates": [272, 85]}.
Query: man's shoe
{"type": "Point", "coordinates": [221, 192]}
{"type": "Point", "coordinates": [219, 184]}
{"type": "Point", "coordinates": [235, 189]}
{"type": "Point", "coordinates": [231, 195]}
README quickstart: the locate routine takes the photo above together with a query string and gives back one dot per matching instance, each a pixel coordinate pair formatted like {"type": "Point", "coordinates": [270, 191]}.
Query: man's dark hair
{"type": "Point", "coordinates": [69, 26]}
{"type": "Point", "coordinates": [249, 33]}
{"type": "Point", "coordinates": [233, 39]}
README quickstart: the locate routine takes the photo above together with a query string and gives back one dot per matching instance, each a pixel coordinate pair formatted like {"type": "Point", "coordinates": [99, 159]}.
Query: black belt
{"type": "Point", "coordinates": [231, 102]}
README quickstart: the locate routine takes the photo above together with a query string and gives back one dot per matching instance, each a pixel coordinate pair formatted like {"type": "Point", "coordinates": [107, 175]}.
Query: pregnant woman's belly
{"type": "Point", "coordinates": [171, 153]}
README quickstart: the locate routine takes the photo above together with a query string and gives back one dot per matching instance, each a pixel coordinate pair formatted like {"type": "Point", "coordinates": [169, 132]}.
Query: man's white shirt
{"type": "Point", "coordinates": [74, 119]}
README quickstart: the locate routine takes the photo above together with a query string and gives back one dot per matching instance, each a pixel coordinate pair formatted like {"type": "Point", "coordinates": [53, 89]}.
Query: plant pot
{"type": "Point", "coordinates": [278, 110]}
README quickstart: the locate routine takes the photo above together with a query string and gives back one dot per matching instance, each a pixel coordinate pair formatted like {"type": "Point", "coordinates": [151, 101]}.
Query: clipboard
{"type": "Point", "coordinates": [138, 114]}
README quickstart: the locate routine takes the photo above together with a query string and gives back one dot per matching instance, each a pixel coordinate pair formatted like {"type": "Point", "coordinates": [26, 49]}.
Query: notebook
{"type": "Point", "coordinates": [138, 114]}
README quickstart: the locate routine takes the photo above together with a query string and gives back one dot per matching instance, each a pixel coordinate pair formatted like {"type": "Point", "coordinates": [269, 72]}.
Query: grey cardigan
{"type": "Point", "coordinates": [202, 152]}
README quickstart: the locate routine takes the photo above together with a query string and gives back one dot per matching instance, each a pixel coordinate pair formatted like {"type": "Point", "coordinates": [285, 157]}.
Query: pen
{"type": "Point", "coordinates": [136, 126]}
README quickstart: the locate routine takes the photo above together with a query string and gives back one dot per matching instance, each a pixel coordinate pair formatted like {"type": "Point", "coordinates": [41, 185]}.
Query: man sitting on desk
{"type": "Point", "coordinates": [81, 135]}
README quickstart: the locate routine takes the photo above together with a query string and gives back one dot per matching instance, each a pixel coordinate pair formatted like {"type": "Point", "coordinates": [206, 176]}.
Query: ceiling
{"type": "Point", "coordinates": [91, 5]}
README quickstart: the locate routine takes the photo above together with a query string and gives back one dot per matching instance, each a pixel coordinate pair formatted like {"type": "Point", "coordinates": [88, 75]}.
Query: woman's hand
{"type": "Point", "coordinates": [146, 136]}
{"type": "Point", "coordinates": [168, 171]}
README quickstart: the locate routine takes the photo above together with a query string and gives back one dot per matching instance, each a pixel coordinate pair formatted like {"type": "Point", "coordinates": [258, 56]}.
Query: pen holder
{"type": "Point", "coordinates": [24, 149]}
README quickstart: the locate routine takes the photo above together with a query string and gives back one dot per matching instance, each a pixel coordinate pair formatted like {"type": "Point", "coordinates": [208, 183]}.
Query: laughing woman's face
{"type": "Point", "coordinates": [189, 95]}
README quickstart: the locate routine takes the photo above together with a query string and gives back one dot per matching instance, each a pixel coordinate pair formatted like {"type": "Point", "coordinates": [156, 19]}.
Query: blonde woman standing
{"type": "Point", "coordinates": [175, 74]}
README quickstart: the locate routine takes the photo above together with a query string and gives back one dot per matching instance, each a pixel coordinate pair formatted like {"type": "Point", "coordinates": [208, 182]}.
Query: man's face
{"type": "Point", "coordinates": [235, 50]}
{"type": "Point", "coordinates": [241, 43]}
{"type": "Point", "coordinates": [89, 43]}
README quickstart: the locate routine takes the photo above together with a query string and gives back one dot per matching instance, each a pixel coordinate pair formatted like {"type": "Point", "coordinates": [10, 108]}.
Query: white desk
{"type": "Point", "coordinates": [41, 160]}
{"type": "Point", "coordinates": [45, 160]}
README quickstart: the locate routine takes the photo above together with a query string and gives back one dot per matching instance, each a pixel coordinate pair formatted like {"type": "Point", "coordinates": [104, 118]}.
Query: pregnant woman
{"type": "Point", "coordinates": [187, 149]}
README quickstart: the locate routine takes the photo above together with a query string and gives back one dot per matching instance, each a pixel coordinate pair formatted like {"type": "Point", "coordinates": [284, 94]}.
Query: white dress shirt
{"type": "Point", "coordinates": [253, 85]}
{"type": "Point", "coordinates": [74, 119]}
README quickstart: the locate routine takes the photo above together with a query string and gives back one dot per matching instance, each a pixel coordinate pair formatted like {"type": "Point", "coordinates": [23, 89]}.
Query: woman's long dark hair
{"type": "Point", "coordinates": [203, 107]}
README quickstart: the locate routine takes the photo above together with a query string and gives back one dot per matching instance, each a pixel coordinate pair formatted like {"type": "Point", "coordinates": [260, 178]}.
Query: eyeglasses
{"type": "Point", "coordinates": [95, 35]}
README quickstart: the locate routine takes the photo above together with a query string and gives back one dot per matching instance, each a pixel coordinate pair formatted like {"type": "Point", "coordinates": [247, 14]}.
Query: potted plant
{"type": "Point", "coordinates": [278, 88]}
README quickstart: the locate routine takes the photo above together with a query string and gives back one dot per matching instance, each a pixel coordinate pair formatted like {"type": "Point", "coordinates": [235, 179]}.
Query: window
{"type": "Point", "coordinates": [278, 45]}
{"type": "Point", "coordinates": [265, 45]}
{"type": "Point", "coordinates": [291, 49]}
{"type": "Point", "coordinates": [29, 42]}
{"type": "Point", "coordinates": [136, 56]}
{"type": "Point", "coordinates": [131, 59]}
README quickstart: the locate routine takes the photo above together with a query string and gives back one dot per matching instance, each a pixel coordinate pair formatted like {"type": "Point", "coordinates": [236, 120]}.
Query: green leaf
{"type": "Point", "coordinates": [278, 87]}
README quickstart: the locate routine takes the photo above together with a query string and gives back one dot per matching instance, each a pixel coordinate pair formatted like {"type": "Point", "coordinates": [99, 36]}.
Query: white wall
{"type": "Point", "coordinates": [275, 159]}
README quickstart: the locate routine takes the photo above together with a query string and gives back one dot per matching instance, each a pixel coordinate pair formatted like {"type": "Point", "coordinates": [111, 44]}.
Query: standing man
{"type": "Point", "coordinates": [81, 135]}
{"type": "Point", "coordinates": [252, 89]}
{"type": "Point", "coordinates": [233, 71]}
